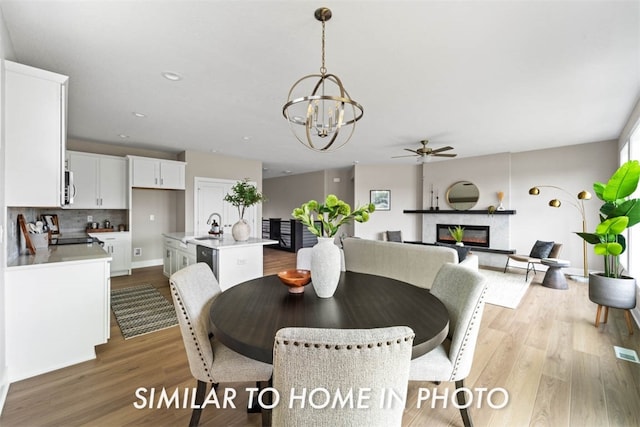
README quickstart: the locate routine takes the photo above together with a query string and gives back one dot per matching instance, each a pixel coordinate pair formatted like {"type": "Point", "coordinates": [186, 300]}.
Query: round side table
{"type": "Point", "coordinates": [554, 278]}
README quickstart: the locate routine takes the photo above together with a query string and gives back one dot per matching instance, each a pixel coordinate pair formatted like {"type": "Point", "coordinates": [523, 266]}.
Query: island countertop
{"type": "Point", "coordinates": [218, 244]}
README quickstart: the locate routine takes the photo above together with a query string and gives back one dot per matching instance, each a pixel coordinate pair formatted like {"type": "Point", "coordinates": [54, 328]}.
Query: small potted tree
{"type": "Point", "coordinates": [611, 288]}
{"type": "Point", "coordinates": [243, 195]}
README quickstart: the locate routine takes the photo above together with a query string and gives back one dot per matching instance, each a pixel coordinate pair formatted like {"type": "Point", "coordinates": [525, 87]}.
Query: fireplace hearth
{"type": "Point", "coordinates": [474, 235]}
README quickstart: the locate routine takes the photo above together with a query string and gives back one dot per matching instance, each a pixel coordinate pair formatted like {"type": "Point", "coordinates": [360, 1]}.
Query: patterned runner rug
{"type": "Point", "coordinates": [141, 309]}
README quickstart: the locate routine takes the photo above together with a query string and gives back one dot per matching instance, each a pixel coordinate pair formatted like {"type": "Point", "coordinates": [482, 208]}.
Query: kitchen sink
{"type": "Point", "coordinates": [209, 238]}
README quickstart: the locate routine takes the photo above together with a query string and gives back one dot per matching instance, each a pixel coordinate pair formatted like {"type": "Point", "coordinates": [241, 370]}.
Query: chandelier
{"type": "Point", "coordinates": [320, 112]}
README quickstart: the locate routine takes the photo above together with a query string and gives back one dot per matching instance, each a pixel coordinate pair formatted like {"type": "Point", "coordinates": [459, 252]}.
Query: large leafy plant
{"type": "Point", "coordinates": [332, 214]}
{"type": "Point", "coordinates": [618, 213]}
{"type": "Point", "coordinates": [243, 195]}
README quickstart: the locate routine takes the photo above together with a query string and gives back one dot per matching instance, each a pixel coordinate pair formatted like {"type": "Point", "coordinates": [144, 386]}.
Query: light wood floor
{"type": "Point", "coordinates": [558, 368]}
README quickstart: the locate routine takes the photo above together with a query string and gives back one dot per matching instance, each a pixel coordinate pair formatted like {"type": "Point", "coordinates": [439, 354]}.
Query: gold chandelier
{"type": "Point", "coordinates": [320, 112]}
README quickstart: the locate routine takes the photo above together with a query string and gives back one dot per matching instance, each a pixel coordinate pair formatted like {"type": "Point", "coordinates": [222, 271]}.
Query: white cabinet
{"type": "Point", "coordinates": [35, 135]}
{"type": "Point", "coordinates": [100, 181]}
{"type": "Point", "coordinates": [118, 246]}
{"type": "Point", "coordinates": [177, 255]}
{"type": "Point", "coordinates": [157, 173]}
{"type": "Point", "coordinates": [239, 264]}
{"type": "Point", "coordinates": [55, 315]}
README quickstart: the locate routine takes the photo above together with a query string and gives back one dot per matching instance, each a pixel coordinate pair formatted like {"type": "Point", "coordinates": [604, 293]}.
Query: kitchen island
{"type": "Point", "coordinates": [232, 262]}
{"type": "Point", "coordinates": [57, 308]}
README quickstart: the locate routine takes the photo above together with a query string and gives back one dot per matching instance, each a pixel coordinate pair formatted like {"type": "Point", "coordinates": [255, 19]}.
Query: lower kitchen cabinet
{"type": "Point", "coordinates": [118, 246]}
{"type": "Point", "coordinates": [177, 255]}
{"type": "Point", "coordinates": [55, 315]}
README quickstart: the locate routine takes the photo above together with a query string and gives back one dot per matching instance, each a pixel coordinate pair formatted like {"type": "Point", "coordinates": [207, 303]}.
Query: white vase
{"type": "Point", "coordinates": [241, 231]}
{"type": "Point", "coordinates": [325, 267]}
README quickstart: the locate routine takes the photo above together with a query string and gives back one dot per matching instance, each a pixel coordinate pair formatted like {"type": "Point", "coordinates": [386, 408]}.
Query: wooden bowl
{"type": "Point", "coordinates": [295, 279]}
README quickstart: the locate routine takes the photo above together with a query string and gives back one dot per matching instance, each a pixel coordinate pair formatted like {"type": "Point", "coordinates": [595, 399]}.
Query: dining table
{"type": "Point", "coordinates": [247, 316]}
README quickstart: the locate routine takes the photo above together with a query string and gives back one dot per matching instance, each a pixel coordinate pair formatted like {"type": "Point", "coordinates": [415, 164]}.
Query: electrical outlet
{"type": "Point", "coordinates": [89, 218]}
{"type": "Point", "coordinates": [137, 251]}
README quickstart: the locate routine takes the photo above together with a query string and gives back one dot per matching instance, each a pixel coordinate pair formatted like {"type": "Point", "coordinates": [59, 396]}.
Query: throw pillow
{"type": "Point", "coordinates": [462, 250]}
{"type": "Point", "coordinates": [541, 249]}
{"type": "Point", "coordinates": [394, 236]}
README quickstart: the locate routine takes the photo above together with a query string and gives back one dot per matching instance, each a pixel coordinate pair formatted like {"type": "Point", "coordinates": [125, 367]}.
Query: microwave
{"type": "Point", "coordinates": [69, 190]}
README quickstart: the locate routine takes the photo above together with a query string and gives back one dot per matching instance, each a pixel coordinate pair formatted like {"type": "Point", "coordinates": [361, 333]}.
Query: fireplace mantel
{"type": "Point", "coordinates": [451, 212]}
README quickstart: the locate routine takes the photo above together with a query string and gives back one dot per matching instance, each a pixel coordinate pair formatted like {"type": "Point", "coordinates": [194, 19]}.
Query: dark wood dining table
{"type": "Point", "coordinates": [247, 316]}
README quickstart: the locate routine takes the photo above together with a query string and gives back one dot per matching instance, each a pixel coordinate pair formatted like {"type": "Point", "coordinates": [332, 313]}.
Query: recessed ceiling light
{"type": "Point", "coordinates": [287, 171]}
{"type": "Point", "coordinates": [140, 115]}
{"type": "Point", "coordinates": [123, 136]}
{"type": "Point", "coordinates": [174, 77]}
{"type": "Point", "coordinates": [246, 138]}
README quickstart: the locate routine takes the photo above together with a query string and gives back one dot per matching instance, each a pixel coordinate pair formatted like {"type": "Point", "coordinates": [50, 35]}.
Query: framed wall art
{"type": "Point", "coordinates": [381, 199]}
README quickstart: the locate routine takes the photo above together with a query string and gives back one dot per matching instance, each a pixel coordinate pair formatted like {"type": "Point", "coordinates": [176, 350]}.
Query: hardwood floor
{"type": "Point", "coordinates": [558, 369]}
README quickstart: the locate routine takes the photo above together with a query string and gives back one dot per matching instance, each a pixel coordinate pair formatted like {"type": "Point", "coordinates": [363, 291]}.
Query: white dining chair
{"type": "Point", "coordinates": [325, 362]}
{"type": "Point", "coordinates": [462, 291]}
{"type": "Point", "coordinates": [192, 289]}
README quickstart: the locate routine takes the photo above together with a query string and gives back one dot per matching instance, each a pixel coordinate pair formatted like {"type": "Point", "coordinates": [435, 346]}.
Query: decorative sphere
{"type": "Point", "coordinates": [584, 195]}
{"type": "Point", "coordinates": [555, 203]}
{"type": "Point", "coordinates": [534, 191]}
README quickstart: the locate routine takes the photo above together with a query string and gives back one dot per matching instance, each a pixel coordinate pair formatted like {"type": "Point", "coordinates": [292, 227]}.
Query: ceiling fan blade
{"type": "Point", "coordinates": [444, 155]}
{"type": "Point", "coordinates": [408, 155]}
{"type": "Point", "coordinates": [438, 150]}
{"type": "Point", "coordinates": [412, 151]}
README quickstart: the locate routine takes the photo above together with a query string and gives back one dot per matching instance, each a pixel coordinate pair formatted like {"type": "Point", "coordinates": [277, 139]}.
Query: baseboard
{"type": "Point", "coordinates": [4, 387]}
{"type": "Point", "coordinates": [635, 313]}
{"type": "Point", "coordinates": [147, 263]}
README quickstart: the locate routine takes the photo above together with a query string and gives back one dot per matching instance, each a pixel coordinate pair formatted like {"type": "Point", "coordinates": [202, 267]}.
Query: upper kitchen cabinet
{"type": "Point", "coordinates": [35, 135]}
{"type": "Point", "coordinates": [100, 181]}
{"type": "Point", "coordinates": [157, 173]}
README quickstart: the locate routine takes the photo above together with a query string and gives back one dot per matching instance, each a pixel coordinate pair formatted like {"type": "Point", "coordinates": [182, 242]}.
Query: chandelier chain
{"type": "Point", "coordinates": [323, 69]}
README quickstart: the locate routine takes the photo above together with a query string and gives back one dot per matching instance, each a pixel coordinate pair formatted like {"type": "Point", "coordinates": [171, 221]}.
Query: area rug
{"type": "Point", "coordinates": [141, 309]}
{"type": "Point", "coordinates": [505, 289]}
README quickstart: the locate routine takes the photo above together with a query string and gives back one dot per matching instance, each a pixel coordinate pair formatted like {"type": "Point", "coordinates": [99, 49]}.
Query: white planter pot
{"type": "Point", "coordinates": [241, 231]}
{"type": "Point", "coordinates": [325, 267]}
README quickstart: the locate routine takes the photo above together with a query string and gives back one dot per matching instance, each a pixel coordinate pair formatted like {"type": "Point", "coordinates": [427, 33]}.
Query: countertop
{"type": "Point", "coordinates": [218, 244]}
{"type": "Point", "coordinates": [62, 253]}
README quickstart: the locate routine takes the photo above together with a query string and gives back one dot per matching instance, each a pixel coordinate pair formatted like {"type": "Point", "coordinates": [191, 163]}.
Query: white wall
{"type": "Point", "coordinates": [405, 183]}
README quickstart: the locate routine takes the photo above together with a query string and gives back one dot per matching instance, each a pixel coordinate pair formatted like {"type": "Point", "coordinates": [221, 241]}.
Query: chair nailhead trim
{"type": "Point", "coordinates": [342, 346]}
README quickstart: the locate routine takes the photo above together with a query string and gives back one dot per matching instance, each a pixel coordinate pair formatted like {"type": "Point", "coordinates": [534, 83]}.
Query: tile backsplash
{"type": "Point", "coordinates": [70, 222]}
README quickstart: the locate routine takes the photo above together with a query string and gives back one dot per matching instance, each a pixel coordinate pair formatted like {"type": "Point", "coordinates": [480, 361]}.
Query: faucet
{"type": "Point", "coordinates": [212, 223]}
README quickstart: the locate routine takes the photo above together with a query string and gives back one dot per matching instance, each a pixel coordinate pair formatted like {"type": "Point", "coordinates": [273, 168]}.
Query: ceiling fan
{"type": "Point", "coordinates": [424, 152]}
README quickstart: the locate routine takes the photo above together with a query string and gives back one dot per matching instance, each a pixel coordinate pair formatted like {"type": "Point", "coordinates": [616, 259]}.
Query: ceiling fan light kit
{"type": "Point", "coordinates": [320, 111]}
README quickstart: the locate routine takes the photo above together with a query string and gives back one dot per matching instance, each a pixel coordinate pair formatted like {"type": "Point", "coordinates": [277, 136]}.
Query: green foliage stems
{"type": "Point", "coordinates": [457, 233]}
{"type": "Point", "coordinates": [618, 213]}
{"type": "Point", "coordinates": [243, 195]}
{"type": "Point", "coordinates": [332, 213]}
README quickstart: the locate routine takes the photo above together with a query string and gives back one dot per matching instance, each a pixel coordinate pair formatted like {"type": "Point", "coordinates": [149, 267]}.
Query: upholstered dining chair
{"type": "Point", "coordinates": [326, 362]}
{"type": "Point", "coordinates": [539, 251]}
{"type": "Point", "coordinates": [192, 289]}
{"type": "Point", "coordinates": [462, 292]}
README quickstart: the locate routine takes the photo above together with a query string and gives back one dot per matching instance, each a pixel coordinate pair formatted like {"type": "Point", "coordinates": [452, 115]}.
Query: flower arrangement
{"type": "Point", "coordinates": [243, 195]}
{"type": "Point", "coordinates": [332, 214]}
{"type": "Point", "coordinates": [618, 213]}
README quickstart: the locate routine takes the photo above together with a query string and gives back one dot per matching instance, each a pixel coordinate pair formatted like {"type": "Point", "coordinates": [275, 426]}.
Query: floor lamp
{"type": "Point", "coordinates": [579, 205]}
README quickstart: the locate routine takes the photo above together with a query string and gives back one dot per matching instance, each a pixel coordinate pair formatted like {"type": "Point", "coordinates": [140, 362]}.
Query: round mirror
{"type": "Point", "coordinates": [462, 195]}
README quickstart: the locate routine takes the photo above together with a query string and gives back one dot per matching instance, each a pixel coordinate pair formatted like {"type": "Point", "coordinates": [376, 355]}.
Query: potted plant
{"type": "Point", "coordinates": [457, 233]}
{"type": "Point", "coordinates": [243, 195]}
{"type": "Point", "coordinates": [619, 212]}
{"type": "Point", "coordinates": [326, 256]}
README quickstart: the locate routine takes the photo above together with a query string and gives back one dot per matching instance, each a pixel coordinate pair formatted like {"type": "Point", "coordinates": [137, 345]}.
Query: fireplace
{"type": "Point", "coordinates": [474, 235]}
